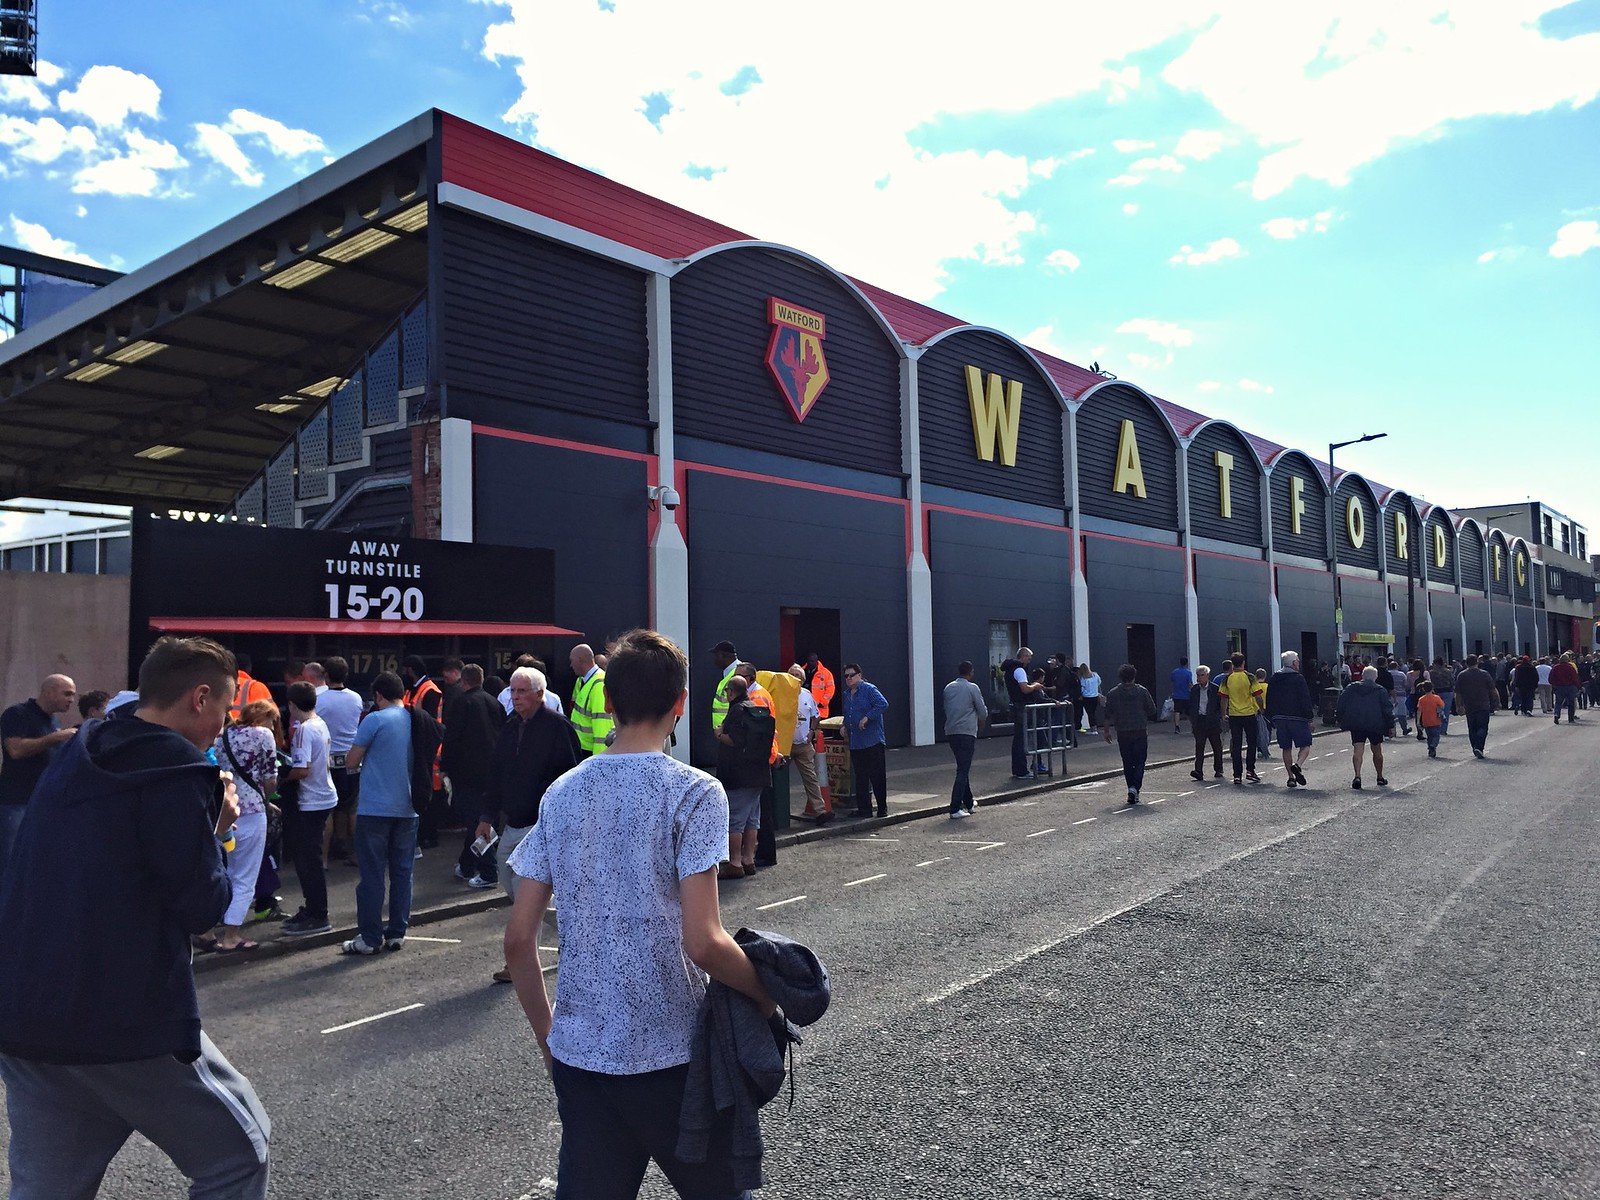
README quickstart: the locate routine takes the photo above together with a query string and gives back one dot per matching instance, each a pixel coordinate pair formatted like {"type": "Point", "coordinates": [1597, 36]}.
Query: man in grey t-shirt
{"type": "Point", "coordinates": [964, 714]}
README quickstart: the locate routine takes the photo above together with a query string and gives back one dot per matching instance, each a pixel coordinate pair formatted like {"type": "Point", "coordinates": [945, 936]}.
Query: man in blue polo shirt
{"type": "Point", "coordinates": [386, 822]}
{"type": "Point", "coordinates": [28, 737]}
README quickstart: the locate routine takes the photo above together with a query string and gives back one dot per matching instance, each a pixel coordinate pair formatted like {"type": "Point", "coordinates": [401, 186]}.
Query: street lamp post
{"type": "Point", "coordinates": [1333, 546]}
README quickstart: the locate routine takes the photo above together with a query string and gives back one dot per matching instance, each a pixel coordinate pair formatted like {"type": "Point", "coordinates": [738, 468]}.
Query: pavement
{"type": "Point", "coordinates": [919, 787]}
{"type": "Point", "coordinates": [1225, 992]}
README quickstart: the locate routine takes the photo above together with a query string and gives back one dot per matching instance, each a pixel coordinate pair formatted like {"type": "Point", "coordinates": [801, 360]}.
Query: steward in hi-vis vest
{"type": "Point", "coordinates": [589, 716]}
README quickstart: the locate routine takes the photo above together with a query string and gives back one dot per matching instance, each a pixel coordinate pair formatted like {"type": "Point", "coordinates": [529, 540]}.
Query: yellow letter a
{"type": "Point", "coordinates": [1130, 474]}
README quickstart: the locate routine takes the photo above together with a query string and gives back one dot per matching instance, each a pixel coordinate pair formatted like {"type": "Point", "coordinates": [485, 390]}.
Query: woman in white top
{"type": "Point", "coordinates": [249, 749]}
{"type": "Point", "coordinates": [1090, 682]}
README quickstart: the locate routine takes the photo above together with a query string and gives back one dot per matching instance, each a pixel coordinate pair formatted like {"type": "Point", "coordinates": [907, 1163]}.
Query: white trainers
{"type": "Point", "coordinates": [959, 814]}
{"type": "Point", "coordinates": [357, 945]}
{"type": "Point", "coordinates": [479, 882]}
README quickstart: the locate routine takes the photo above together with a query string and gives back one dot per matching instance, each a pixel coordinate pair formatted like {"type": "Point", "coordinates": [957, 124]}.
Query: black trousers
{"type": "Point", "coordinates": [1244, 732]}
{"type": "Point", "coordinates": [613, 1125]}
{"type": "Point", "coordinates": [1135, 750]}
{"type": "Point", "coordinates": [305, 841]}
{"type": "Point", "coordinates": [1478, 728]}
{"type": "Point", "coordinates": [871, 770]}
{"type": "Point", "coordinates": [469, 803]}
{"type": "Point", "coordinates": [1203, 738]}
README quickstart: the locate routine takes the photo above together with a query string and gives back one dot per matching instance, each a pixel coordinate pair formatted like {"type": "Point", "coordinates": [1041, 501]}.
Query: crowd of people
{"type": "Point", "coordinates": [172, 795]}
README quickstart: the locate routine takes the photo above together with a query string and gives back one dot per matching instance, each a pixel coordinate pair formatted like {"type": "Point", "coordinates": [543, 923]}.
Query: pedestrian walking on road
{"type": "Point", "coordinates": [1430, 716]}
{"type": "Point", "coordinates": [309, 818]}
{"type": "Point", "coordinates": [1244, 730]}
{"type": "Point", "coordinates": [744, 767]}
{"type": "Point", "coordinates": [249, 750]}
{"type": "Point", "coordinates": [534, 747]}
{"type": "Point", "coordinates": [100, 1033]}
{"type": "Point", "coordinates": [30, 734]}
{"type": "Point", "coordinates": [1564, 683]}
{"type": "Point", "coordinates": [1022, 691]}
{"type": "Point", "coordinates": [1443, 678]}
{"type": "Point", "coordinates": [468, 757]}
{"type": "Point", "coordinates": [1399, 693]}
{"type": "Point", "coordinates": [1475, 690]}
{"type": "Point", "coordinates": [864, 707]}
{"type": "Point", "coordinates": [386, 822]}
{"type": "Point", "coordinates": [1129, 709]}
{"type": "Point", "coordinates": [965, 714]}
{"type": "Point", "coordinates": [1206, 707]}
{"type": "Point", "coordinates": [1289, 711]}
{"type": "Point", "coordinates": [1182, 684]}
{"type": "Point", "coordinates": [1367, 714]}
{"type": "Point", "coordinates": [1524, 682]}
{"type": "Point", "coordinates": [629, 831]}
{"type": "Point", "coordinates": [1547, 699]}
{"type": "Point", "coordinates": [803, 752]}
{"type": "Point", "coordinates": [1089, 688]}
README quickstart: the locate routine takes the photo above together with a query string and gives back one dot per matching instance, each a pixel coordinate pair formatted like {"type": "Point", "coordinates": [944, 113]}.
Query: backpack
{"type": "Point", "coordinates": [426, 736]}
{"type": "Point", "coordinates": [759, 730]}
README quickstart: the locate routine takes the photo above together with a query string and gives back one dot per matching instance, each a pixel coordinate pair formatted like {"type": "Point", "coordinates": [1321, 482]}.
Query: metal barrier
{"type": "Point", "coordinates": [1047, 731]}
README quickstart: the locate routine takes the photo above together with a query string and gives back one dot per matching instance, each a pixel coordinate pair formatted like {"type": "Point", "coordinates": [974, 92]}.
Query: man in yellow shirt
{"type": "Point", "coordinates": [1244, 730]}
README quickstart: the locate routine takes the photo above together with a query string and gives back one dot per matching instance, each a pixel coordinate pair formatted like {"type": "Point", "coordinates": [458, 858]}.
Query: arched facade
{"type": "Point", "coordinates": [1299, 507]}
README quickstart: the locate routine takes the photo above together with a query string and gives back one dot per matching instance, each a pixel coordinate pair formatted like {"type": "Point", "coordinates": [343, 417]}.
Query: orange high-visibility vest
{"type": "Point", "coordinates": [416, 698]}
{"type": "Point", "coordinates": [247, 691]}
{"type": "Point", "coordinates": [822, 688]}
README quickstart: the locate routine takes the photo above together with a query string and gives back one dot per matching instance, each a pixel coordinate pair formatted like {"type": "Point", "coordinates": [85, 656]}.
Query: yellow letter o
{"type": "Point", "coordinates": [1355, 522]}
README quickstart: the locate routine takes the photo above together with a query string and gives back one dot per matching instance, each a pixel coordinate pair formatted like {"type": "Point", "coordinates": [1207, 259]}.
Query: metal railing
{"type": "Point", "coordinates": [1048, 732]}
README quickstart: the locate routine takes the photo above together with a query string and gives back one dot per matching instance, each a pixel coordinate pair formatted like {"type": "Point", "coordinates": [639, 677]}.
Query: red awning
{"type": "Point", "coordinates": [357, 628]}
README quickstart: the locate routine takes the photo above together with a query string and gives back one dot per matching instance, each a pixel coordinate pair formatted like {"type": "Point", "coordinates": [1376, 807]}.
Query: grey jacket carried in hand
{"type": "Point", "coordinates": [737, 1062]}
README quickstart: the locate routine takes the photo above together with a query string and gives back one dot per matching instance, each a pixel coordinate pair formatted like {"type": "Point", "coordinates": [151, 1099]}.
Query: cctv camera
{"type": "Point", "coordinates": [665, 496]}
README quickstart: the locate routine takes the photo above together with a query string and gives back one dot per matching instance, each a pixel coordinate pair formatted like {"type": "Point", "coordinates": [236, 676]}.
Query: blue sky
{"type": "Point", "coordinates": [1314, 226]}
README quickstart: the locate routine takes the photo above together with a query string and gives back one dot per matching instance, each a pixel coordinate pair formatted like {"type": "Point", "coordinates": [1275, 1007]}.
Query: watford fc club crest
{"type": "Point", "coordinates": [794, 354]}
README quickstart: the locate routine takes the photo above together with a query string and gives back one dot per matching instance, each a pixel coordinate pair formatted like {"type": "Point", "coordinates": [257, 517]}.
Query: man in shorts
{"type": "Point", "coordinates": [1289, 711]}
{"type": "Point", "coordinates": [1367, 714]}
{"type": "Point", "coordinates": [629, 831]}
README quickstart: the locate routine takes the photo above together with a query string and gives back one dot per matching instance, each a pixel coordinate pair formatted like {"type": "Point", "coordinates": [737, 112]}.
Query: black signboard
{"type": "Point", "coordinates": [404, 592]}
{"type": "Point", "coordinates": [1568, 585]}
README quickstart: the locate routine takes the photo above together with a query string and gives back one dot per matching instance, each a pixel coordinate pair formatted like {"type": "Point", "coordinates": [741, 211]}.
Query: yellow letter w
{"type": "Point", "coordinates": [995, 414]}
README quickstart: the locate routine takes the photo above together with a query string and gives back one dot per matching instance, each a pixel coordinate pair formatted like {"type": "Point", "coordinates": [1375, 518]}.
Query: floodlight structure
{"type": "Point", "coordinates": [19, 37]}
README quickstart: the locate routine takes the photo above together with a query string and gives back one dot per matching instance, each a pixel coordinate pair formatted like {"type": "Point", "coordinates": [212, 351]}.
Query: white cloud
{"type": "Point", "coordinates": [1502, 254]}
{"type": "Point", "coordinates": [1085, 152]}
{"type": "Point", "coordinates": [82, 211]}
{"type": "Point", "coordinates": [1575, 238]}
{"type": "Point", "coordinates": [1044, 338]}
{"type": "Point", "coordinates": [1131, 145]}
{"type": "Point", "coordinates": [108, 96]}
{"type": "Point", "coordinates": [1163, 333]}
{"type": "Point", "coordinates": [1324, 95]}
{"type": "Point", "coordinates": [221, 143]}
{"type": "Point", "coordinates": [1148, 165]}
{"type": "Point", "coordinates": [39, 240]}
{"type": "Point", "coordinates": [1125, 181]}
{"type": "Point", "coordinates": [1217, 251]}
{"type": "Point", "coordinates": [1208, 385]}
{"type": "Point", "coordinates": [18, 91]}
{"type": "Point", "coordinates": [1129, 209]}
{"type": "Point", "coordinates": [1252, 385]}
{"type": "Point", "coordinates": [217, 144]}
{"type": "Point", "coordinates": [1200, 144]}
{"type": "Point", "coordinates": [1311, 95]}
{"type": "Point", "coordinates": [872, 218]}
{"type": "Point", "coordinates": [279, 138]}
{"type": "Point", "coordinates": [1287, 228]}
{"type": "Point", "coordinates": [1062, 260]}
{"type": "Point", "coordinates": [1147, 362]}
{"type": "Point", "coordinates": [388, 11]}
{"type": "Point", "coordinates": [44, 140]}
{"type": "Point", "coordinates": [136, 171]}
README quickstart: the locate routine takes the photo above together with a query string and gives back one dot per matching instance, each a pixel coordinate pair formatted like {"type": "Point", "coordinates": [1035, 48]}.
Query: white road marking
{"type": "Point", "coordinates": [779, 903]}
{"type": "Point", "coordinates": [417, 937]}
{"type": "Point", "coordinates": [1017, 960]}
{"type": "Point", "coordinates": [1084, 787]}
{"type": "Point", "coordinates": [871, 837]}
{"type": "Point", "coordinates": [393, 1012]}
{"type": "Point", "coordinates": [1086, 820]}
{"type": "Point", "coordinates": [1209, 786]}
{"type": "Point", "coordinates": [931, 861]}
{"type": "Point", "coordinates": [1163, 800]}
{"type": "Point", "coordinates": [989, 846]}
{"type": "Point", "coordinates": [1042, 832]}
{"type": "Point", "coordinates": [1181, 795]}
{"type": "Point", "coordinates": [868, 879]}
{"type": "Point", "coordinates": [960, 842]}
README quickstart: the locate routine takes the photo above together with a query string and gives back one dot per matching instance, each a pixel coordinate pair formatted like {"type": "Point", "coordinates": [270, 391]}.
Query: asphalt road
{"type": "Point", "coordinates": [1225, 992]}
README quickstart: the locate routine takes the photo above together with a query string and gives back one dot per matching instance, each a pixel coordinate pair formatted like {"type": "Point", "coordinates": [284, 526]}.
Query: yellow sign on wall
{"type": "Point", "coordinates": [1402, 536]}
{"type": "Point", "coordinates": [1439, 546]}
{"type": "Point", "coordinates": [1355, 522]}
{"type": "Point", "coordinates": [1522, 570]}
{"type": "Point", "coordinates": [1130, 472]}
{"type": "Point", "coordinates": [1297, 502]}
{"type": "Point", "coordinates": [996, 406]}
{"type": "Point", "coordinates": [1224, 463]}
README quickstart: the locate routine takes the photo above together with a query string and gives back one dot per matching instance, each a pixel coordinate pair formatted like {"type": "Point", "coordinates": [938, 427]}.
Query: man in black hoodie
{"type": "Point", "coordinates": [100, 1034]}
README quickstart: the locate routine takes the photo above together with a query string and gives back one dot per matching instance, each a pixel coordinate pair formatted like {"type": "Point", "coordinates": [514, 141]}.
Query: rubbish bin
{"type": "Point", "coordinates": [1330, 706]}
{"type": "Point", "coordinates": [836, 753]}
